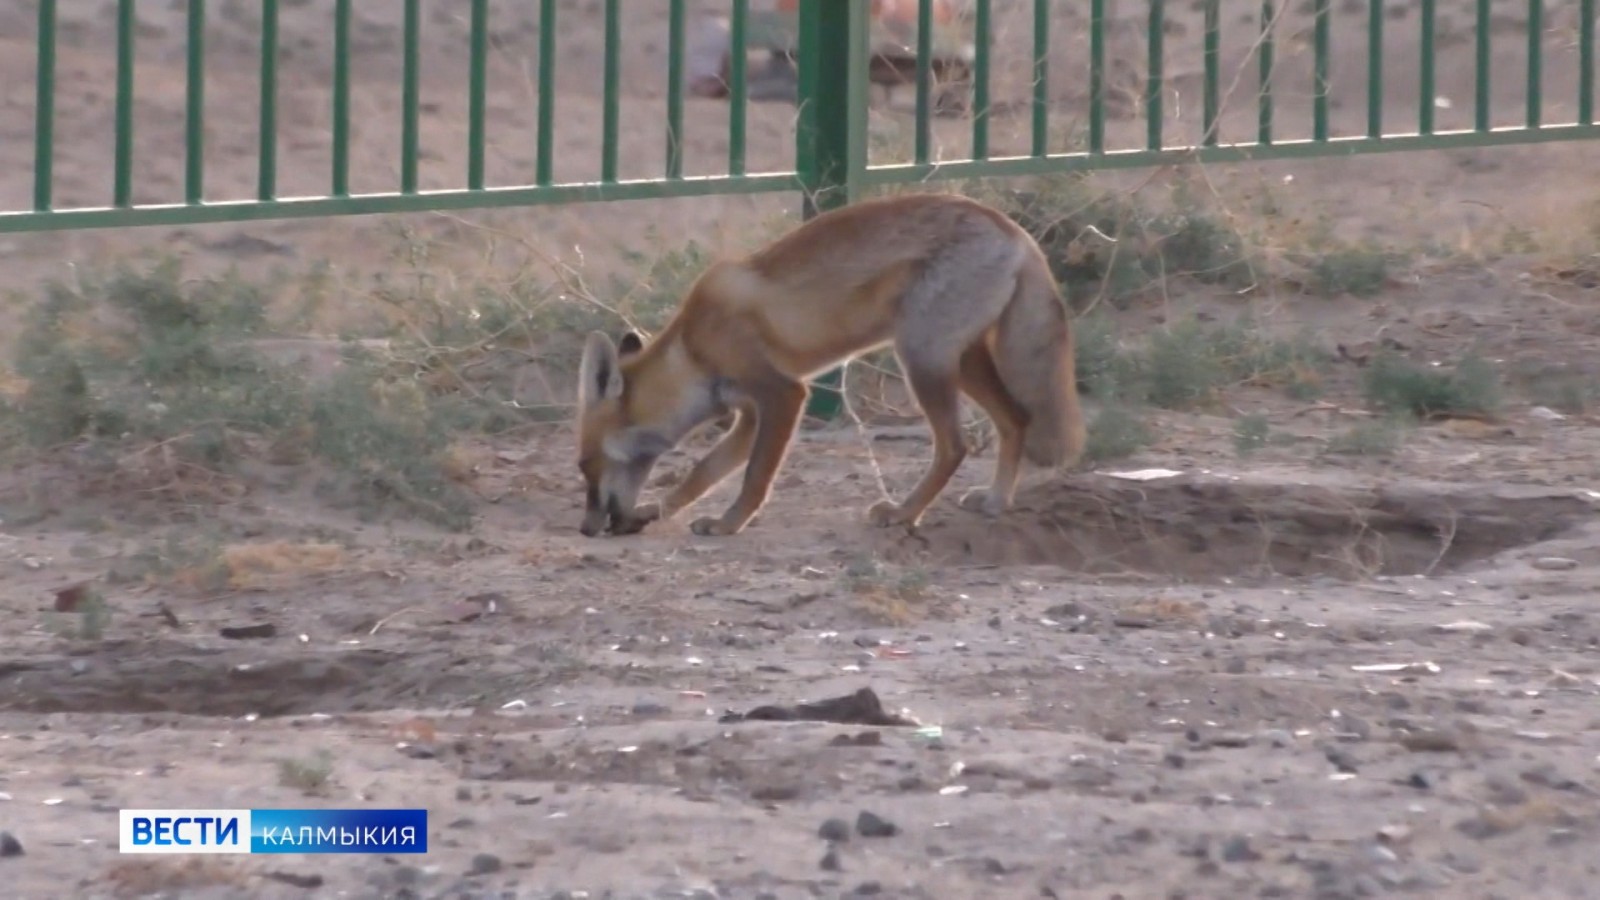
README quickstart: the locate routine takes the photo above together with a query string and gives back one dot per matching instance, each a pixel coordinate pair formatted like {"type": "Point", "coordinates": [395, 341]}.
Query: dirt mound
{"type": "Point", "coordinates": [1207, 528]}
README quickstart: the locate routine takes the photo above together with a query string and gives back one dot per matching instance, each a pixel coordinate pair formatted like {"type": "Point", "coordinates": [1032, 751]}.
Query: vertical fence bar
{"type": "Point", "coordinates": [341, 98]}
{"type": "Point", "coordinates": [1375, 69]}
{"type": "Point", "coordinates": [982, 31]}
{"type": "Point", "coordinates": [44, 111]}
{"type": "Point", "coordinates": [1155, 79]}
{"type": "Point", "coordinates": [544, 162]}
{"type": "Point", "coordinates": [1430, 21]}
{"type": "Point", "coordinates": [830, 142]}
{"type": "Point", "coordinates": [1321, 55]}
{"type": "Point", "coordinates": [1481, 100]}
{"type": "Point", "coordinates": [410, 102]}
{"type": "Point", "coordinates": [194, 137]}
{"type": "Point", "coordinates": [1097, 76]}
{"type": "Point", "coordinates": [1041, 77]}
{"type": "Point", "coordinates": [1535, 63]}
{"type": "Point", "coordinates": [675, 24]}
{"type": "Point", "coordinates": [1210, 115]}
{"type": "Point", "coordinates": [477, 91]}
{"type": "Point", "coordinates": [122, 178]}
{"type": "Point", "coordinates": [924, 137]}
{"type": "Point", "coordinates": [738, 87]}
{"type": "Point", "coordinates": [1586, 13]}
{"type": "Point", "coordinates": [613, 78]}
{"type": "Point", "coordinates": [267, 159]}
{"type": "Point", "coordinates": [1264, 55]}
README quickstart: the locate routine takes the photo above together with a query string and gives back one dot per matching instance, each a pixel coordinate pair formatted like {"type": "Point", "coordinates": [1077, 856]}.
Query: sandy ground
{"type": "Point", "coordinates": [1293, 675]}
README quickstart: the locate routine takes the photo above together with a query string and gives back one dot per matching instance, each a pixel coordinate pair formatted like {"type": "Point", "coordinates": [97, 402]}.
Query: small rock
{"type": "Point", "coordinates": [1278, 738]}
{"type": "Point", "coordinates": [9, 845]}
{"type": "Point", "coordinates": [869, 824]}
{"type": "Point", "coordinates": [1430, 742]}
{"type": "Point", "coordinates": [464, 794]}
{"type": "Point", "coordinates": [1483, 827]}
{"type": "Point", "coordinates": [1394, 834]}
{"type": "Point", "coordinates": [248, 632]}
{"type": "Point", "coordinates": [830, 861]}
{"type": "Point", "coordinates": [1342, 761]}
{"type": "Point", "coordinates": [649, 708]}
{"type": "Point", "coordinates": [1228, 740]}
{"type": "Point", "coordinates": [868, 889]}
{"type": "Point", "coordinates": [1238, 849]}
{"type": "Point", "coordinates": [834, 830]}
{"type": "Point", "coordinates": [295, 879]}
{"type": "Point", "coordinates": [485, 864]}
{"type": "Point", "coordinates": [1555, 563]}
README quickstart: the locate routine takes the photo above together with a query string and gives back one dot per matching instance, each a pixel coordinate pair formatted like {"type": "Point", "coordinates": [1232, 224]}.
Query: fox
{"type": "Point", "coordinates": [963, 295]}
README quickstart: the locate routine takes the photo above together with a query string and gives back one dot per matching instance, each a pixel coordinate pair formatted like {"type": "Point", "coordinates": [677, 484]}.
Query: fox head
{"type": "Point", "coordinates": [615, 451]}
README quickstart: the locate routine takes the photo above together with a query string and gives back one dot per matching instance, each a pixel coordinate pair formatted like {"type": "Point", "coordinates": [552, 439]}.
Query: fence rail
{"type": "Point", "coordinates": [835, 55]}
{"type": "Point", "coordinates": [831, 147]}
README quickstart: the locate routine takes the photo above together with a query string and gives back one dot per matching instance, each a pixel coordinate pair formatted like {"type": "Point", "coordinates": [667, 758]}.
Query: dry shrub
{"type": "Point", "coordinates": [256, 566]}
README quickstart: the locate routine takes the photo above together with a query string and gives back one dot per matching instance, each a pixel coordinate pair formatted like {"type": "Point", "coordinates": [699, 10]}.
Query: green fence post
{"type": "Point", "coordinates": [831, 138]}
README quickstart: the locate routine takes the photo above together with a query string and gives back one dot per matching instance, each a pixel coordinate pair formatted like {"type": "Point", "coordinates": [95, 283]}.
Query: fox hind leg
{"type": "Point", "coordinates": [980, 380]}
{"type": "Point", "coordinates": [937, 393]}
{"type": "Point", "coordinates": [961, 294]}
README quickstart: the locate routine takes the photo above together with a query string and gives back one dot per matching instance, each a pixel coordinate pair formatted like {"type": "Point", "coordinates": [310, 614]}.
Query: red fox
{"type": "Point", "coordinates": [961, 292]}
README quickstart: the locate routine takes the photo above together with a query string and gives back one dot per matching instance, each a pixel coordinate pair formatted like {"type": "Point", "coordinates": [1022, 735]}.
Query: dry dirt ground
{"type": "Point", "coordinates": [1299, 674]}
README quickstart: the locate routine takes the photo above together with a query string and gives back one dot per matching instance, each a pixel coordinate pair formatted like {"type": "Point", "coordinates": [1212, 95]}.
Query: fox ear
{"type": "Point", "coordinates": [599, 375]}
{"type": "Point", "coordinates": [632, 342]}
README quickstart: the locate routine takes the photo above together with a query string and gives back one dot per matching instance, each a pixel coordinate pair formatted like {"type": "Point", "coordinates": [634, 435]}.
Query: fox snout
{"type": "Point", "coordinates": [609, 517]}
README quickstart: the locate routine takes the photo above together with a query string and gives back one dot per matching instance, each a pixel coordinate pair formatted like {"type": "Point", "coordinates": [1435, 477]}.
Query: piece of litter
{"type": "Point", "coordinates": [1389, 668]}
{"type": "Point", "coordinates": [1464, 626]}
{"type": "Point", "coordinates": [514, 704]}
{"type": "Point", "coordinates": [53, 801]}
{"type": "Point", "coordinates": [1144, 474]}
{"type": "Point", "coordinates": [628, 749]}
{"type": "Point", "coordinates": [952, 789]}
{"type": "Point", "coordinates": [694, 695]}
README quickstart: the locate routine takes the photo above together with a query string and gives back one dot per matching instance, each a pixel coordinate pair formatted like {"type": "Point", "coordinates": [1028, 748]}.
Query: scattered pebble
{"type": "Point", "coordinates": [9, 845]}
{"type": "Point", "coordinates": [1430, 742]}
{"type": "Point", "coordinates": [869, 824]}
{"type": "Point", "coordinates": [834, 830]}
{"type": "Point", "coordinates": [1555, 563]}
{"type": "Point", "coordinates": [1237, 849]}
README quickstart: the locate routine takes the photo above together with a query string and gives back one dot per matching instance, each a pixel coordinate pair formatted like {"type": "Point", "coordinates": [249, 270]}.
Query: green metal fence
{"type": "Point", "coordinates": [831, 152]}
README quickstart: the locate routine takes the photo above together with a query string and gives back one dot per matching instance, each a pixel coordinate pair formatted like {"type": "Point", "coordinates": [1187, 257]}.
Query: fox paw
{"type": "Point", "coordinates": [886, 513]}
{"type": "Point", "coordinates": [710, 527]}
{"type": "Point", "coordinates": [984, 502]}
